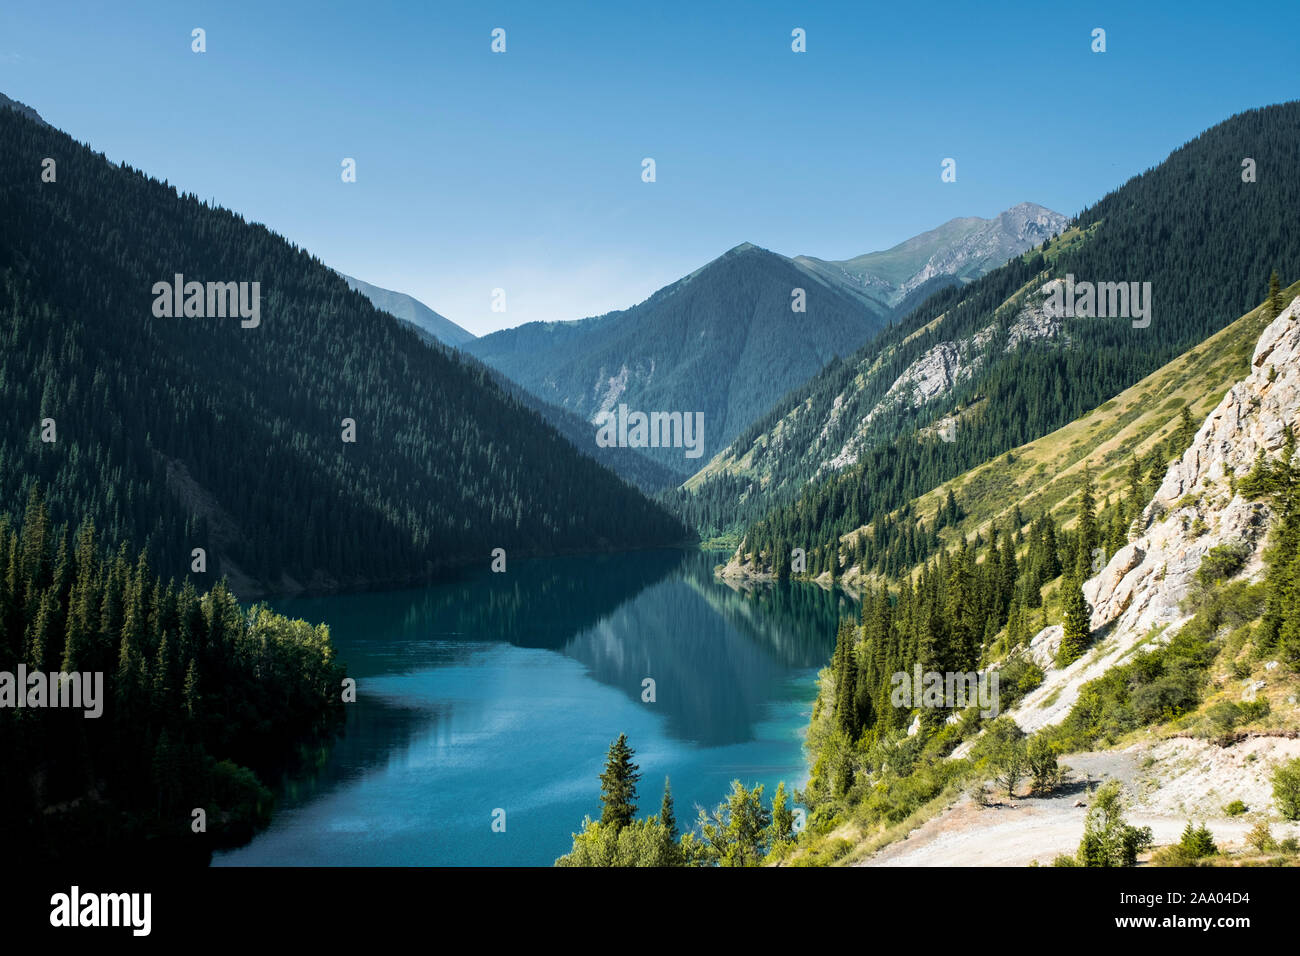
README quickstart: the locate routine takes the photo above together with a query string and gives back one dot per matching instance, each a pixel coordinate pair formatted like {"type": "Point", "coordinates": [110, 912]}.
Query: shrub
{"type": "Point", "coordinates": [1221, 563]}
{"type": "Point", "coordinates": [1002, 748]}
{"type": "Point", "coordinates": [1261, 838]}
{"type": "Point", "coordinates": [1021, 676]}
{"type": "Point", "coordinates": [825, 854]}
{"type": "Point", "coordinates": [1224, 716]}
{"type": "Point", "coordinates": [1044, 770]}
{"type": "Point", "coordinates": [1286, 789]}
{"type": "Point", "coordinates": [1235, 809]}
{"type": "Point", "coordinates": [1030, 678]}
{"type": "Point", "coordinates": [1108, 840]}
{"type": "Point", "coordinates": [1253, 710]}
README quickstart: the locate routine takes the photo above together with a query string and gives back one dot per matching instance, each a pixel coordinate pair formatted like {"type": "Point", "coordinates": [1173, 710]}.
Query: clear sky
{"type": "Point", "coordinates": [522, 170]}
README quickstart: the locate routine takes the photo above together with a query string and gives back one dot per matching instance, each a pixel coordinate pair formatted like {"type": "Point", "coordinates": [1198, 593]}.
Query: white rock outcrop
{"type": "Point", "coordinates": [1140, 592]}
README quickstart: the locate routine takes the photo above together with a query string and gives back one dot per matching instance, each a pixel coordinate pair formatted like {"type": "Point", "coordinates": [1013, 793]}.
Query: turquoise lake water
{"type": "Point", "coordinates": [504, 691]}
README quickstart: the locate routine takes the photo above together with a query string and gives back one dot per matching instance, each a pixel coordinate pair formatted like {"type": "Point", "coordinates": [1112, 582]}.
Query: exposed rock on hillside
{"type": "Point", "coordinates": [1139, 594]}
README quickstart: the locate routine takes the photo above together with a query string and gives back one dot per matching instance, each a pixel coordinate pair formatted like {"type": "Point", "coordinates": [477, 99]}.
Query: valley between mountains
{"type": "Point", "coordinates": [915, 462]}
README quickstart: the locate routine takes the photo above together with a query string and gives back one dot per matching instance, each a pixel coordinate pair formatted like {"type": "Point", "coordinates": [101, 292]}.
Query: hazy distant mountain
{"type": "Point", "coordinates": [629, 464]}
{"type": "Point", "coordinates": [414, 311]}
{"type": "Point", "coordinates": [959, 250]}
{"type": "Point", "coordinates": [633, 467]}
{"type": "Point", "coordinates": [723, 341]}
{"type": "Point", "coordinates": [23, 108]}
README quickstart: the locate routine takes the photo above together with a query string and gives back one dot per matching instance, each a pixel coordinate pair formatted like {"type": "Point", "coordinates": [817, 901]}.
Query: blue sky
{"type": "Point", "coordinates": [522, 170]}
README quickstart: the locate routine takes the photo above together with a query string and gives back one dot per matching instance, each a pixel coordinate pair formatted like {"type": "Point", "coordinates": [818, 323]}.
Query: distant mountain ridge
{"type": "Point", "coordinates": [628, 464]}
{"type": "Point", "coordinates": [412, 310]}
{"type": "Point", "coordinates": [726, 339]}
{"type": "Point", "coordinates": [957, 251]}
{"type": "Point", "coordinates": [978, 370]}
{"type": "Point", "coordinates": [8, 104]}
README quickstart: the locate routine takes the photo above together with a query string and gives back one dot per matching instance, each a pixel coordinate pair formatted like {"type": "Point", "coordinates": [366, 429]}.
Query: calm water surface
{"type": "Point", "coordinates": [505, 691]}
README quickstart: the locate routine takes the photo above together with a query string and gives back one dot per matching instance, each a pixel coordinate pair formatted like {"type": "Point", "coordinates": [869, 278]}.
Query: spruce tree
{"type": "Point", "coordinates": [1274, 296]}
{"type": "Point", "coordinates": [1089, 538]}
{"type": "Point", "coordinates": [1186, 429]}
{"type": "Point", "coordinates": [1134, 487]}
{"type": "Point", "coordinates": [1077, 618]}
{"type": "Point", "coordinates": [1051, 553]}
{"type": "Point", "coordinates": [618, 785]}
{"type": "Point", "coordinates": [666, 814]}
{"type": "Point", "coordinates": [846, 711]}
{"type": "Point", "coordinates": [781, 829]}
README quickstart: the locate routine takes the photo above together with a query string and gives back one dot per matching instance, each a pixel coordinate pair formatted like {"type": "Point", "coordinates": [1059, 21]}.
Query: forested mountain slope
{"type": "Point", "coordinates": [630, 464]}
{"type": "Point", "coordinates": [197, 702]}
{"type": "Point", "coordinates": [1122, 446]}
{"type": "Point", "coordinates": [1157, 619]}
{"type": "Point", "coordinates": [981, 369]}
{"type": "Point", "coordinates": [199, 432]}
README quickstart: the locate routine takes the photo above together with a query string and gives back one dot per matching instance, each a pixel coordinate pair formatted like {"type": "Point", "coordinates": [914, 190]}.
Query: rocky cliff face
{"type": "Point", "coordinates": [937, 372]}
{"type": "Point", "coordinates": [1139, 594]}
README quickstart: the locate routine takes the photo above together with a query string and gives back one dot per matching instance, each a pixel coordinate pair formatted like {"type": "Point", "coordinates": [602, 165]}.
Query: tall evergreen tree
{"type": "Point", "coordinates": [666, 814]}
{"type": "Point", "coordinates": [1089, 537]}
{"type": "Point", "coordinates": [1186, 429]}
{"type": "Point", "coordinates": [618, 785]}
{"type": "Point", "coordinates": [1076, 635]}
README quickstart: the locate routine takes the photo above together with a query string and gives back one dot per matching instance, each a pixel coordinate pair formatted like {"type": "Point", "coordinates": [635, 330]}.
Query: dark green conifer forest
{"type": "Point", "coordinates": [203, 701]}
{"type": "Point", "coordinates": [177, 433]}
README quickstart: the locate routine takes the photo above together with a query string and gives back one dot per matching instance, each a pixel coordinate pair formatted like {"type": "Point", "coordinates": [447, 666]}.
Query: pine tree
{"type": "Point", "coordinates": [191, 694]}
{"type": "Point", "coordinates": [1051, 566]}
{"type": "Point", "coordinates": [1275, 305]}
{"type": "Point", "coordinates": [38, 647]}
{"type": "Point", "coordinates": [782, 825]}
{"type": "Point", "coordinates": [618, 785]}
{"type": "Point", "coordinates": [1135, 483]}
{"type": "Point", "coordinates": [1077, 619]}
{"type": "Point", "coordinates": [1017, 626]}
{"type": "Point", "coordinates": [1186, 429]}
{"type": "Point", "coordinates": [1010, 570]}
{"type": "Point", "coordinates": [666, 815]}
{"type": "Point", "coordinates": [1089, 537]}
{"type": "Point", "coordinates": [782, 562]}
{"type": "Point", "coordinates": [846, 681]}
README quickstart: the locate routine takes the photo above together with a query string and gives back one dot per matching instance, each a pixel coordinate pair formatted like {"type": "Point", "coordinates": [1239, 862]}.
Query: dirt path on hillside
{"type": "Point", "coordinates": [1018, 832]}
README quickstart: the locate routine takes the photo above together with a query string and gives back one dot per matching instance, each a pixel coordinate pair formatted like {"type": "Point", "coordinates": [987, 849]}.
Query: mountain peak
{"type": "Point", "coordinates": [960, 250]}
{"type": "Point", "coordinates": [1026, 213]}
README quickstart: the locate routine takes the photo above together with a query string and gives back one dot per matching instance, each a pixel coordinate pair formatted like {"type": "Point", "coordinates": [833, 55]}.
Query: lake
{"type": "Point", "coordinates": [503, 691]}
